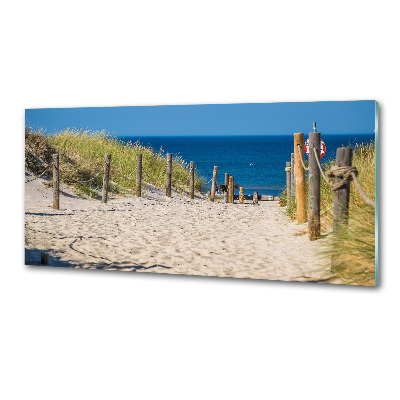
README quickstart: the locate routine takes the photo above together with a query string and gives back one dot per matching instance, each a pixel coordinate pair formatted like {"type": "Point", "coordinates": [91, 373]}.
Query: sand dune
{"type": "Point", "coordinates": [169, 235]}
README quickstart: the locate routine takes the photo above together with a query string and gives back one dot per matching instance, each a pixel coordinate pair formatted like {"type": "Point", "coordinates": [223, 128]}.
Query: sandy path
{"type": "Point", "coordinates": [176, 236]}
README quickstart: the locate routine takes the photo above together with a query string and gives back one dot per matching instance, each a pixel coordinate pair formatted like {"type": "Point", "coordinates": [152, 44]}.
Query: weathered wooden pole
{"type": "Point", "coordinates": [139, 175]}
{"type": "Point", "coordinates": [106, 178]}
{"type": "Point", "coordinates": [341, 196]}
{"type": "Point", "coordinates": [226, 195]}
{"type": "Point", "coordinates": [168, 184]}
{"type": "Point", "coordinates": [314, 187]}
{"type": "Point", "coordinates": [191, 180]}
{"type": "Point", "coordinates": [214, 183]}
{"type": "Point", "coordinates": [241, 195]}
{"type": "Point", "coordinates": [288, 182]}
{"type": "Point", "coordinates": [300, 178]}
{"type": "Point", "coordinates": [56, 181]}
{"type": "Point", "coordinates": [292, 176]}
{"type": "Point", "coordinates": [231, 188]}
{"type": "Point", "coordinates": [44, 258]}
{"type": "Point", "coordinates": [255, 197]}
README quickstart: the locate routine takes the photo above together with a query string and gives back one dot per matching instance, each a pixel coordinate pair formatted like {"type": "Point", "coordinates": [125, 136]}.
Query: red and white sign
{"type": "Point", "coordinates": [323, 148]}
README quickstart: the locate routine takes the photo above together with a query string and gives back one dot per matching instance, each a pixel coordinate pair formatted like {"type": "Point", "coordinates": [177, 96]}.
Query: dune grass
{"type": "Point", "coordinates": [82, 155]}
{"type": "Point", "coordinates": [352, 247]}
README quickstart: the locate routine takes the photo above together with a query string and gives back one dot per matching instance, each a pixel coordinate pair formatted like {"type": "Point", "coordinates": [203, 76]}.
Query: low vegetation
{"type": "Point", "coordinates": [82, 159]}
{"type": "Point", "coordinates": [352, 247]}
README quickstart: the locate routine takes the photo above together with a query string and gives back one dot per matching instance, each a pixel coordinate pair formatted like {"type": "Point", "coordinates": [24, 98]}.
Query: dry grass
{"type": "Point", "coordinates": [352, 248]}
{"type": "Point", "coordinates": [82, 157]}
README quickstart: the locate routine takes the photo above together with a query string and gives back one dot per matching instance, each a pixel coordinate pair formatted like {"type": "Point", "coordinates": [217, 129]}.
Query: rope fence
{"type": "Point", "coordinates": [346, 174]}
{"type": "Point", "coordinates": [338, 177]}
{"type": "Point", "coordinates": [184, 185]}
{"type": "Point", "coordinates": [38, 176]}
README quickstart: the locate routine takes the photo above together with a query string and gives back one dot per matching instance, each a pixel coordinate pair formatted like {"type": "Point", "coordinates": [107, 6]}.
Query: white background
{"type": "Point", "coordinates": [71, 334]}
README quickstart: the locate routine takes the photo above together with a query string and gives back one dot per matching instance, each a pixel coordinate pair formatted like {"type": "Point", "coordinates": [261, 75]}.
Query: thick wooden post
{"type": "Point", "coordinates": [300, 178]}
{"type": "Point", "coordinates": [44, 258]}
{"type": "Point", "coordinates": [288, 182]}
{"type": "Point", "coordinates": [341, 197]}
{"type": "Point", "coordinates": [214, 183]}
{"type": "Point", "coordinates": [56, 181]}
{"type": "Point", "coordinates": [106, 178]}
{"type": "Point", "coordinates": [314, 187]}
{"type": "Point", "coordinates": [226, 194]}
{"type": "Point", "coordinates": [292, 176]}
{"type": "Point", "coordinates": [139, 175]}
{"type": "Point", "coordinates": [191, 180]}
{"type": "Point", "coordinates": [168, 185]}
{"type": "Point", "coordinates": [231, 188]}
{"type": "Point", "coordinates": [255, 197]}
{"type": "Point", "coordinates": [241, 195]}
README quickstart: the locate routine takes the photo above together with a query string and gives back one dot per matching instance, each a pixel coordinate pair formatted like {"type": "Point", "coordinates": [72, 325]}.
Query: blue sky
{"type": "Point", "coordinates": [212, 119]}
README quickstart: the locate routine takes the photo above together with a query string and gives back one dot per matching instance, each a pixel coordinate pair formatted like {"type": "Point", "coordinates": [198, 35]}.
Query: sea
{"type": "Point", "coordinates": [255, 162]}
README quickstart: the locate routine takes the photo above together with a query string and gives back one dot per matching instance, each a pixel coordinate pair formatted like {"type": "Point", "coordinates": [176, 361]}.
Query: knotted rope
{"type": "Point", "coordinates": [345, 173]}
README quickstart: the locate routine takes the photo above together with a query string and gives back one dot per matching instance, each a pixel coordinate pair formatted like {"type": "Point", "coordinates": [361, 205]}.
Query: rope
{"type": "Point", "coordinates": [345, 173]}
{"type": "Point", "coordinates": [102, 168]}
{"type": "Point", "coordinates": [301, 158]}
{"type": "Point", "coordinates": [150, 177]}
{"type": "Point", "coordinates": [320, 166]}
{"type": "Point", "coordinates": [187, 180]}
{"type": "Point", "coordinates": [38, 176]}
{"type": "Point", "coordinates": [348, 173]}
{"type": "Point", "coordinates": [48, 166]}
{"type": "Point", "coordinates": [39, 158]}
{"type": "Point", "coordinates": [363, 195]}
{"type": "Point", "coordinates": [127, 177]}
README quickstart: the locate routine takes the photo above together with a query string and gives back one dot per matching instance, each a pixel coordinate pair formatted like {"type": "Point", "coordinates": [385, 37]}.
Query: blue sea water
{"type": "Point", "coordinates": [256, 162]}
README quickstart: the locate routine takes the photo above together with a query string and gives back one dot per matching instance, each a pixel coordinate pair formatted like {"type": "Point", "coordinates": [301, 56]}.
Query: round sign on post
{"type": "Point", "coordinates": [307, 148]}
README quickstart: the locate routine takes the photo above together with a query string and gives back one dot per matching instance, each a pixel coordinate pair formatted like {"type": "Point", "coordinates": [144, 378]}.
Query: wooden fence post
{"type": "Point", "coordinates": [288, 182]}
{"type": "Point", "coordinates": [191, 180]}
{"type": "Point", "coordinates": [231, 188]}
{"type": "Point", "coordinates": [139, 175]}
{"type": "Point", "coordinates": [300, 178]}
{"type": "Point", "coordinates": [44, 258]}
{"type": "Point", "coordinates": [255, 197]}
{"type": "Point", "coordinates": [226, 195]}
{"type": "Point", "coordinates": [106, 178]}
{"type": "Point", "coordinates": [168, 184]}
{"type": "Point", "coordinates": [241, 195]}
{"type": "Point", "coordinates": [314, 187]}
{"type": "Point", "coordinates": [292, 176]}
{"type": "Point", "coordinates": [214, 183]}
{"type": "Point", "coordinates": [341, 197]}
{"type": "Point", "coordinates": [56, 181]}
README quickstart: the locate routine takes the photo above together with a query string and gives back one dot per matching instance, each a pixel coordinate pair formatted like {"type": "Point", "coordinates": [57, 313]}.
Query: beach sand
{"type": "Point", "coordinates": [169, 235]}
